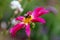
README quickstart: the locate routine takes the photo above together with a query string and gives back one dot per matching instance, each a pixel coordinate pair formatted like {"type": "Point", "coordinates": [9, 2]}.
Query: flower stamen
{"type": "Point", "coordinates": [27, 19]}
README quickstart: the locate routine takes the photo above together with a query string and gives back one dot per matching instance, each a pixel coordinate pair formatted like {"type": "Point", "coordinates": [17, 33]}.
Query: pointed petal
{"type": "Point", "coordinates": [41, 20]}
{"type": "Point", "coordinates": [29, 13]}
{"type": "Point", "coordinates": [39, 11]}
{"type": "Point", "coordinates": [15, 28]}
{"type": "Point", "coordinates": [27, 30]}
{"type": "Point", "coordinates": [20, 18]}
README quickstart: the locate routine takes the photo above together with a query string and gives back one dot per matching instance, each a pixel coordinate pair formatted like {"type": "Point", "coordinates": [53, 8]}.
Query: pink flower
{"type": "Point", "coordinates": [25, 21]}
{"type": "Point", "coordinates": [40, 11]}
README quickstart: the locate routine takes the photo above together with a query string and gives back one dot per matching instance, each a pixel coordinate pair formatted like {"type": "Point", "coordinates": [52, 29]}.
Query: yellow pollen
{"type": "Point", "coordinates": [27, 20]}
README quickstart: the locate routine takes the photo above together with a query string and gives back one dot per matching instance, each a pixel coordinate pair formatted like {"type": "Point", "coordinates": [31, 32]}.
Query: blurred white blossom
{"type": "Point", "coordinates": [3, 25]}
{"type": "Point", "coordinates": [16, 5]}
{"type": "Point", "coordinates": [16, 11]}
{"type": "Point", "coordinates": [13, 21]}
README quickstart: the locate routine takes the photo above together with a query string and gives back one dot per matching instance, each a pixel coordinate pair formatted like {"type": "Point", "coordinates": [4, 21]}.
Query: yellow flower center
{"type": "Point", "coordinates": [27, 19]}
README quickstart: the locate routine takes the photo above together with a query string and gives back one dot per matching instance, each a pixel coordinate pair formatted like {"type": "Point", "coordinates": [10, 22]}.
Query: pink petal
{"type": "Point", "coordinates": [29, 13]}
{"type": "Point", "coordinates": [15, 28]}
{"type": "Point", "coordinates": [41, 20]}
{"type": "Point", "coordinates": [39, 11]}
{"type": "Point", "coordinates": [27, 30]}
{"type": "Point", "coordinates": [20, 18]}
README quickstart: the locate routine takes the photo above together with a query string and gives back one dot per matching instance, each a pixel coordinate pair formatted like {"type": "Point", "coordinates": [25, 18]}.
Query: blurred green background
{"type": "Point", "coordinates": [49, 31]}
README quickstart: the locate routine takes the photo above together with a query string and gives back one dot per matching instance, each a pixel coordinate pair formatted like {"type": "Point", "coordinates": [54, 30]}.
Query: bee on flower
{"type": "Point", "coordinates": [25, 21]}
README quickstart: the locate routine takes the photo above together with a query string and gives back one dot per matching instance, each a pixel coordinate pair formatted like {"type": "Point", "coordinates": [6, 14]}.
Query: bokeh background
{"type": "Point", "coordinates": [49, 31]}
